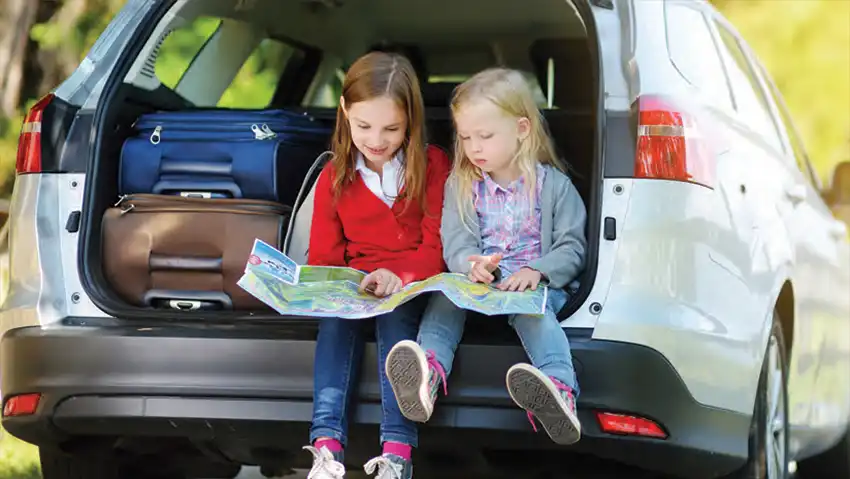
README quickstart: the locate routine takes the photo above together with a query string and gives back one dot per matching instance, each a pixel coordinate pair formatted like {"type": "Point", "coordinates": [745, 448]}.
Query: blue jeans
{"type": "Point", "coordinates": [339, 352]}
{"type": "Point", "coordinates": [542, 337]}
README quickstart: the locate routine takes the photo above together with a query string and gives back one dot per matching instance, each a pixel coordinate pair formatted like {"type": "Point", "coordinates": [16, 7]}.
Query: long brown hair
{"type": "Point", "coordinates": [374, 75]}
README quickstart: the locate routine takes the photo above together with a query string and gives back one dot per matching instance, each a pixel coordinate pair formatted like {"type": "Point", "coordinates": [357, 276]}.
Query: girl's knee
{"type": "Point", "coordinates": [543, 324]}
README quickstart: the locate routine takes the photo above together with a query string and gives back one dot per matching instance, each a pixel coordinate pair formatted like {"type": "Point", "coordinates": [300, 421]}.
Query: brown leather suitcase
{"type": "Point", "coordinates": [176, 252]}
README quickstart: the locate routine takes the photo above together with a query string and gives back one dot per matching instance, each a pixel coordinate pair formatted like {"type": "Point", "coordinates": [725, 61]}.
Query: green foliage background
{"type": "Point", "coordinates": [805, 44]}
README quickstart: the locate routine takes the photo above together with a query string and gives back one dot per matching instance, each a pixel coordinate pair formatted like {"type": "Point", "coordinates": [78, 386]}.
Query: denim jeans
{"type": "Point", "coordinates": [339, 352]}
{"type": "Point", "coordinates": [542, 337]}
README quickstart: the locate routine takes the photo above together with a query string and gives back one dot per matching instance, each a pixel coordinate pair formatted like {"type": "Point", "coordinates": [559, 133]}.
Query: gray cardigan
{"type": "Point", "coordinates": [562, 231]}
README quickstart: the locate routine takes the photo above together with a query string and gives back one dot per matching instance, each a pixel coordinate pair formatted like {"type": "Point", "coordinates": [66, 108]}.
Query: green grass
{"type": "Point", "coordinates": [18, 460]}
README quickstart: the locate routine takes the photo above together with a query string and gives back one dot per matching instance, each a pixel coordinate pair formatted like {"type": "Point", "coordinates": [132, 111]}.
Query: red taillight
{"type": "Point", "coordinates": [673, 144]}
{"type": "Point", "coordinates": [29, 142]}
{"type": "Point", "coordinates": [629, 425]}
{"type": "Point", "coordinates": [23, 405]}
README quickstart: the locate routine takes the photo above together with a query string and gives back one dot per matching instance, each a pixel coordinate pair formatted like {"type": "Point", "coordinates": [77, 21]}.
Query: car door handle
{"type": "Point", "coordinates": [838, 230]}
{"type": "Point", "coordinates": [796, 193]}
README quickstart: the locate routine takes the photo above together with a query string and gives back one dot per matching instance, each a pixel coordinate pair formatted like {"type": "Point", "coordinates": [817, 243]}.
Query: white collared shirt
{"type": "Point", "coordinates": [386, 185]}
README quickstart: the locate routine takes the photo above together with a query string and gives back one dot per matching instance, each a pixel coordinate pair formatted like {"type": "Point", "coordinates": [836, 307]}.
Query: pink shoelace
{"type": "Point", "coordinates": [561, 387]}
{"type": "Point", "coordinates": [433, 363]}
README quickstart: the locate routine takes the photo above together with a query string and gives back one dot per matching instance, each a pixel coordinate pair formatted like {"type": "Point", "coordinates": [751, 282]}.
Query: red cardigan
{"type": "Point", "coordinates": [360, 231]}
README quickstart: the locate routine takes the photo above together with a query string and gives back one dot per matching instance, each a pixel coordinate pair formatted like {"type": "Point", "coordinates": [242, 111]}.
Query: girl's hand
{"type": "Point", "coordinates": [381, 282]}
{"type": "Point", "coordinates": [482, 268]}
{"type": "Point", "coordinates": [523, 279]}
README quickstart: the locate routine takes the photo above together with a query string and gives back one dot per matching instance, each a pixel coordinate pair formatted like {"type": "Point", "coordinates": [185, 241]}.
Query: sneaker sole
{"type": "Point", "coordinates": [406, 373]}
{"type": "Point", "coordinates": [533, 392]}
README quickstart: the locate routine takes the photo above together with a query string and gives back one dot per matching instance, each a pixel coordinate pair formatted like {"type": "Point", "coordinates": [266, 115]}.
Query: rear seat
{"type": "Point", "coordinates": [296, 244]}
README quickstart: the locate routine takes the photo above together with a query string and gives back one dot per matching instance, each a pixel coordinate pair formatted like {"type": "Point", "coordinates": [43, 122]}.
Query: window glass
{"type": "Point", "coordinates": [180, 47]}
{"type": "Point", "coordinates": [750, 99]}
{"type": "Point", "coordinates": [257, 80]}
{"type": "Point", "coordinates": [693, 52]}
{"type": "Point", "coordinates": [798, 149]}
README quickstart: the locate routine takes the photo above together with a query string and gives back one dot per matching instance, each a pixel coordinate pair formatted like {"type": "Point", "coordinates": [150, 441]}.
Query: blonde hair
{"type": "Point", "coordinates": [508, 90]}
{"type": "Point", "coordinates": [374, 75]}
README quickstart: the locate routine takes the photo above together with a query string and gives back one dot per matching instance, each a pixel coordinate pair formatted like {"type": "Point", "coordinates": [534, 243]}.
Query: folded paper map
{"type": "Point", "coordinates": [329, 291]}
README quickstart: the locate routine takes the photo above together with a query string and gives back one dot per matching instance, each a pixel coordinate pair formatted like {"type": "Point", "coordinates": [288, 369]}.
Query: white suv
{"type": "Point", "coordinates": [711, 330]}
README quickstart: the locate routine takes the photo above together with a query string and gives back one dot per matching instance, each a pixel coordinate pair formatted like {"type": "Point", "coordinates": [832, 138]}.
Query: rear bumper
{"type": "Point", "coordinates": [246, 392]}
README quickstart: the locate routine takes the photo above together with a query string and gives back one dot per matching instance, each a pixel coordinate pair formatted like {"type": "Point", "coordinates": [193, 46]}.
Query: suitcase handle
{"type": "Point", "coordinates": [201, 188]}
{"type": "Point", "coordinates": [188, 300]}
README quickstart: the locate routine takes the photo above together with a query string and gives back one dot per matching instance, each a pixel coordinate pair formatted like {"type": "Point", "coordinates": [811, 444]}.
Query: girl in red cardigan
{"type": "Point", "coordinates": [377, 208]}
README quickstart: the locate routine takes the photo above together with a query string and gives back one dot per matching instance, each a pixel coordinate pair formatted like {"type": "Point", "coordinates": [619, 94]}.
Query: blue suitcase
{"type": "Point", "coordinates": [221, 153]}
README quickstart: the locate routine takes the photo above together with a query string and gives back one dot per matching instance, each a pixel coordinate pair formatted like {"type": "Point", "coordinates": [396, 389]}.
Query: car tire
{"type": "Point", "coordinates": [58, 465]}
{"type": "Point", "coordinates": [834, 463]}
{"type": "Point", "coordinates": [768, 455]}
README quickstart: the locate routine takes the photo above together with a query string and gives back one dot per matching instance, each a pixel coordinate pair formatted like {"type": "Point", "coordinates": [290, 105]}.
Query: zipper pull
{"type": "Point", "coordinates": [258, 132]}
{"type": "Point", "coordinates": [269, 132]}
{"type": "Point", "coordinates": [128, 209]}
{"type": "Point", "coordinates": [120, 200]}
{"type": "Point", "coordinates": [155, 136]}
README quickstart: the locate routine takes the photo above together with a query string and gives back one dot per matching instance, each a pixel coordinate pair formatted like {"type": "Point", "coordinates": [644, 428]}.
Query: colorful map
{"type": "Point", "coordinates": [323, 291]}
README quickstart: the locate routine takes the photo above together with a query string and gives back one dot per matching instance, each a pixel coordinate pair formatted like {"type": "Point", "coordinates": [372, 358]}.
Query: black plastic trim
{"type": "Point", "coordinates": [607, 4]}
{"type": "Point", "coordinates": [72, 225]}
{"type": "Point", "coordinates": [254, 389]}
{"type": "Point", "coordinates": [56, 122]}
{"type": "Point", "coordinates": [610, 228]}
{"type": "Point", "coordinates": [75, 153]}
{"type": "Point", "coordinates": [620, 144]}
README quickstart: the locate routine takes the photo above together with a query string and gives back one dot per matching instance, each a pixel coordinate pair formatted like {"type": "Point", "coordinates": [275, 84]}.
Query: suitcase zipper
{"type": "Point", "coordinates": [261, 132]}
{"type": "Point", "coordinates": [129, 203]}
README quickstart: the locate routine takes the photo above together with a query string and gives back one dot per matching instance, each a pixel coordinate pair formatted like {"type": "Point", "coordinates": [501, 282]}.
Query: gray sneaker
{"type": "Point", "coordinates": [389, 466]}
{"type": "Point", "coordinates": [546, 399]}
{"type": "Point", "coordinates": [415, 377]}
{"type": "Point", "coordinates": [326, 465]}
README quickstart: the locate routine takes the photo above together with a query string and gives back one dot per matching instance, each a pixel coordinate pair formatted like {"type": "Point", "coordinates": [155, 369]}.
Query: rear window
{"type": "Point", "coordinates": [278, 56]}
{"type": "Point", "coordinates": [180, 47]}
{"type": "Point", "coordinates": [750, 99]}
{"type": "Point", "coordinates": [547, 65]}
{"type": "Point", "coordinates": [693, 52]}
{"type": "Point", "coordinates": [257, 80]}
{"type": "Point", "coordinates": [448, 82]}
{"type": "Point", "coordinates": [250, 66]}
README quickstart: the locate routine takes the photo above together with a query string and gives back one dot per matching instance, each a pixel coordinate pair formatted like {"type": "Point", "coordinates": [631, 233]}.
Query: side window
{"type": "Point", "coordinates": [693, 52]}
{"type": "Point", "coordinates": [797, 147]}
{"type": "Point", "coordinates": [328, 93]}
{"type": "Point", "coordinates": [257, 80]}
{"type": "Point", "coordinates": [750, 99]}
{"type": "Point", "coordinates": [180, 47]}
{"type": "Point", "coordinates": [445, 84]}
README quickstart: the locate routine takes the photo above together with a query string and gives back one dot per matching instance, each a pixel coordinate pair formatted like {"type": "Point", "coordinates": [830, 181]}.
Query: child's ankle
{"type": "Point", "coordinates": [332, 444]}
{"type": "Point", "coordinates": [398, 449]}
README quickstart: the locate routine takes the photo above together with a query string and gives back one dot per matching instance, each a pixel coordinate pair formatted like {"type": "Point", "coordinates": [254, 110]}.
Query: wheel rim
{"type": "Point", "coordinates": [775, 453]}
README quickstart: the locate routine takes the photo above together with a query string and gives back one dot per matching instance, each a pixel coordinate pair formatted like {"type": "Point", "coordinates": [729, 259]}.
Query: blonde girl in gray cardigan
{"type": "Point", "coordinates": [513, 219]}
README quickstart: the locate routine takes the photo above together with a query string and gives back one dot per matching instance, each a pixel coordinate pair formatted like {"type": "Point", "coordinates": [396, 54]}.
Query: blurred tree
{"type": "Point", "coordinates": [16, 18]}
